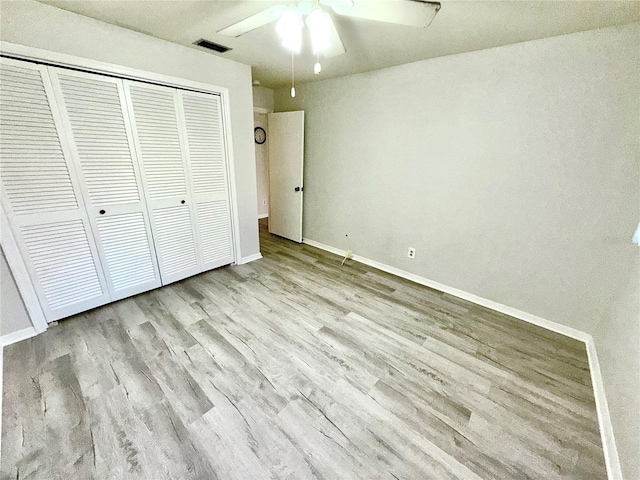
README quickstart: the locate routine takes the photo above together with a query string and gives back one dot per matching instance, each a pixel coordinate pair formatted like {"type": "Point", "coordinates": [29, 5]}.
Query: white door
{"type": "Point", "coordinates": [94, 114]}
{"type": "Point", "coordinates": [201, 123]}
{"type": "Point", "coordinates": [42, 198]}
{"type": "Point", "coordinates": [165, 172]}
{"type": "Point", "coordinates": [286, 162]}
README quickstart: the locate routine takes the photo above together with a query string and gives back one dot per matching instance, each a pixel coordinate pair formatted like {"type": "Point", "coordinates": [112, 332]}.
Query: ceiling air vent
{"type": "Point", "coordinates": [212, 46]}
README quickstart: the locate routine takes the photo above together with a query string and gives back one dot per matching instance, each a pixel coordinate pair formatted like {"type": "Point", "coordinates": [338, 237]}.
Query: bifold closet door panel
{"type": "Point", "coordinates": [167, 186]}
{"type": "Point", "coordinates": [94, 113]}
{"type": "Point", "coordinates": [206, 152]}
{"type": "Point", "coordinates": [41, 195]}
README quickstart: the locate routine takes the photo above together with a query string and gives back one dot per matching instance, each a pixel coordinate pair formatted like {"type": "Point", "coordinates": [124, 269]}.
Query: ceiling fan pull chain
{"type": "Point", "coordinates": [293, 88]}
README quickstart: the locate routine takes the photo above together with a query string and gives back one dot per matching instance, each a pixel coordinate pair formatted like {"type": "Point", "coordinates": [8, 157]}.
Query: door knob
{"type": "Point", "coordinates": [298, 189]}
{"type": "Point", "coordinates": [102, 212]}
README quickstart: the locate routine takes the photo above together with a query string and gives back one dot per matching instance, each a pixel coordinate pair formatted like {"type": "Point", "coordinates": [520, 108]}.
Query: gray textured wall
{"type": "Point", "coordinates": [13, 314]}
{"type": "Point", "coordinates": [514, 172]}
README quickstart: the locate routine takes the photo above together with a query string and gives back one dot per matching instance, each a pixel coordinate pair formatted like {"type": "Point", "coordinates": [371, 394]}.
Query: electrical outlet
{"type": "Point", "coordinates": [411, 253]}
{"type": "Point", "coordinates": [264, 202]}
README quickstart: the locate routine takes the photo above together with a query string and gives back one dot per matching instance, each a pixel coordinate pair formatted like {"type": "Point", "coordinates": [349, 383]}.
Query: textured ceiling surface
{"type": "Point", "coordinates": [460, 26]}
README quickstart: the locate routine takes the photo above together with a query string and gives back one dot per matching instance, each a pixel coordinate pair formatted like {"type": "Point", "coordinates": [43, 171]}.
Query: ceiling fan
{"type": "Point", "coordinates": [325, 37]}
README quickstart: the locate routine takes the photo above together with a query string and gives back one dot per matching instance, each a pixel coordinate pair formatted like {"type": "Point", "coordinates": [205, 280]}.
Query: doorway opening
{"type": "Point", "coordinates": [279, 143]}
{"type": "Point", "coordinates": [262, 163]}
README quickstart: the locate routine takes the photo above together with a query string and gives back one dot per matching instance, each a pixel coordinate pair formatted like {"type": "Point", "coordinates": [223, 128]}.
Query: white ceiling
{"type": "Point", "coordinates": [460, 26]}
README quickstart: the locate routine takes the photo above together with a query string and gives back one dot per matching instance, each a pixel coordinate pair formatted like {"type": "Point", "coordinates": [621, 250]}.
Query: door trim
{"type": "Point", "coordinates": [55, 59]}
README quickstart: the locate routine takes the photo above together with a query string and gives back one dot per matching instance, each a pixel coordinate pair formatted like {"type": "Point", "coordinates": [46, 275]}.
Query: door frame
{"type": "Point", "coordinates": [62, 60]}
{"type": "Point", "coordinates": [264, 111]}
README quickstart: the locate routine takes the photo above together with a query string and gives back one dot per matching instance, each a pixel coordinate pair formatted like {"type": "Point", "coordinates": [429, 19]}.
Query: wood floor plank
{"type": "Point", "coordinates": [296, 367]}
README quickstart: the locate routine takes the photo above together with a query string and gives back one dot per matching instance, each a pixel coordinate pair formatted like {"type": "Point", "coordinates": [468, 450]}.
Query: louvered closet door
{"type": "Point", "coordinates": [165, 176]}
{"type": "Point", "coordinates": [41, 196]}
{"type": "Point", "coordinates": [93, 110]}
{"type": "Point", "coordinates": [202, 126]}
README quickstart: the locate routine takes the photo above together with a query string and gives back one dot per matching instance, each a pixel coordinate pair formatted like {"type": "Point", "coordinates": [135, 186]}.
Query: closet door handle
{"type": "Point", "coordinates": [182, 202]}
{"type": "Point", "coordinates": [102, 212]}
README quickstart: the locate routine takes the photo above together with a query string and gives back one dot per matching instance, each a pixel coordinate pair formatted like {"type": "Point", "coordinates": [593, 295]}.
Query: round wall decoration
{"type": "Point", "coordinates": [259, 135]}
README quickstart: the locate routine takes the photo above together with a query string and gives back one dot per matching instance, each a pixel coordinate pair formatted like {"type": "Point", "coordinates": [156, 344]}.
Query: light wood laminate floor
{"type": "Point", "coordinates": [293, 367]}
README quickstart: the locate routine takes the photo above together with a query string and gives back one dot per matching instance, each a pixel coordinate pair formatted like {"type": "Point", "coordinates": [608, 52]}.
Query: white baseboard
{"type": "Point", "coordinates": [1, 394]}
{"type": "Point", "coordinates": [614, 471]}
{"type": "Point", "coordinates": [327, 248]}
{"type": "Point", "coordinates": [514, 312]}
{"type": "Point", "coordinates": [250, 258]}
{"type": "Point", "coordinates": [612, 461]}
{"type": "Point", "coordinates": [18, 336]}
{"type": "Point", "coordinates": [263, 215]}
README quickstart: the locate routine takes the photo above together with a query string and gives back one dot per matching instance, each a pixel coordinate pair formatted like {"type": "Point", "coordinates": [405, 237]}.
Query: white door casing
{"type": "Point", "coordinates": [94, 115]}
{"type": "Point", "coordinates": [161, 148]}
{"type": "Point", "coordinates": [42, 198]}
{"type": "Point", "coordinates": [286, 165]}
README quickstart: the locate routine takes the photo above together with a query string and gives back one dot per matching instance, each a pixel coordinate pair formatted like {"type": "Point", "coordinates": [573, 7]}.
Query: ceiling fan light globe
{"type": "Point", "coordinates": [337, 3]}
{"type": "Point", "coordinates": [319, 23]}
{"type": "Point", "coordinates": [317, 68]}
{"type": "Point", "coordinates": [289, 28]}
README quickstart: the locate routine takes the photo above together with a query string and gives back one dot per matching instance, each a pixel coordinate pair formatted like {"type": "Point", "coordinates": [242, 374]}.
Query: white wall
{"type": "Point", "coordinates": [617, 338]}
{"type": "Point", "coordinates": [262, 167]}
{"type": "Point", "coordinates": [13, 314]}
{"type": "Point", "coordinates": [515, 172]}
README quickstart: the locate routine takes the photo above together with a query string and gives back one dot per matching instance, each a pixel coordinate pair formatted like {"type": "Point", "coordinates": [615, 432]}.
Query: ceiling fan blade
{"type": "Point", "coordinates": [254, 21]}
{"type": "Point", "coordinates": [337, 47]}
{"type": "Point", "coordinates": [414, 13]}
